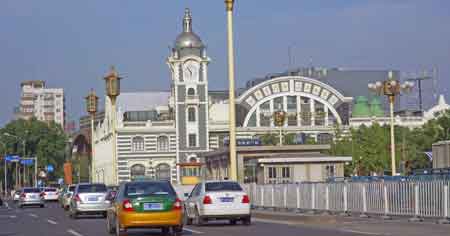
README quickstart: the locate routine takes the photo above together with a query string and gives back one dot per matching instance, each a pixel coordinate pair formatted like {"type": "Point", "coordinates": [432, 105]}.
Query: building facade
{"type": "Point", "coordinates": [46, 104]}
{"type": "Point", "coordinates": [160, 131]}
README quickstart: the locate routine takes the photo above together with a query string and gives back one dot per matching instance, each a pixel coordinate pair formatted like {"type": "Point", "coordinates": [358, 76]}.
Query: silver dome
{"type": "Point", "coordinates": [188, 39]}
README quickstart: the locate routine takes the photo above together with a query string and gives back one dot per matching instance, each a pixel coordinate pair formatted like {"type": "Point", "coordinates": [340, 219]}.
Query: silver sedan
{"type": "Point", "coordinates": [31, 197]}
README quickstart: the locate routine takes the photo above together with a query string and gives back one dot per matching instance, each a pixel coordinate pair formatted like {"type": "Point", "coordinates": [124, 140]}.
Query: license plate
{"type": "Point", "coordinates": [92, 199]}
{"type": "Point", "coordinates": [33, 196]}
{"type": "Point", "coordinates": [226, 199]}
{"type": "Point", "coordinates": [152, 206]}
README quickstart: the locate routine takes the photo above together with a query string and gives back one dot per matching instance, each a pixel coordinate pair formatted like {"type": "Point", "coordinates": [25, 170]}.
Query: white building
{"type": "Point", "coordinates": [46, 104]}
{"type": "Point", "coordinates": [159, 131]}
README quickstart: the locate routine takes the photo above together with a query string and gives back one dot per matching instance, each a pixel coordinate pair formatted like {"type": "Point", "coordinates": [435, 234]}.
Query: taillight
{"type": "Point", "coordinates": [177, 204]}
{"type": "Point", "coordinates": [127, 206]}
{"type": "Point", "coordinates": [207, 200]}
{"type": "Point", "coordinates": [245, 199]}
{"type": "Point", "coordinates": [43, 194]}
{"type": "Point", "coordinates": [23, 195]}
{"type": "Point", "coordinates": [77, 198]}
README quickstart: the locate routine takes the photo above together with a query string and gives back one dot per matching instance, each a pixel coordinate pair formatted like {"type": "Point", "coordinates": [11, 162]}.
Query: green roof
{"type": "Point", "coordinates": [361, 107]}
{"type": "Point", "coordinates": [375, 107]}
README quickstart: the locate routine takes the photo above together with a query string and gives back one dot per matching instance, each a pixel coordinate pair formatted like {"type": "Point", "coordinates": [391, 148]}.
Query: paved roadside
{"type": "Point", "coordinates": [352, 224]}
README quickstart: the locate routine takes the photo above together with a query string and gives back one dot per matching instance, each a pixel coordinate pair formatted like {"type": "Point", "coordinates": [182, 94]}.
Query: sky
{"type": "Point", "coordinates": [72, 44]}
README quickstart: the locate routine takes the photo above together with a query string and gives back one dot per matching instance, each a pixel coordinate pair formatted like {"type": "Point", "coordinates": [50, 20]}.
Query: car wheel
{"type": "Point", "coordinates": [186, 219]}
{"type": "Point", "coordinates": [119, 231]}
{"type": "Point", "coordinates": [177, 230]}
{"type": "Point", "coordinates": [73, 214]}
{"type": "Point", "coordinates": [42, 206]}
{"type": "Point", "coordinates": [233, 222]}
{"type": "Point", "coordinates": [247, 221]}
{"type": "Point", "coordinates": [165, 231]}
{"type": "Point", "coordinates": [198, 220]}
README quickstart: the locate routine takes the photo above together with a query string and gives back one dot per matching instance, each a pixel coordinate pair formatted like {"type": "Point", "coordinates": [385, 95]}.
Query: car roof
{"type": "Point", "coordinates": [220, 181]}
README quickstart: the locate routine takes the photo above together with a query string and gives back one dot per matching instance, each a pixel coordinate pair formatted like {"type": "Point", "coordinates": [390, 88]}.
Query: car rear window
{"type": "Point", "coordinates": [142, 189]}
{"type": "Point", "coordinates": [50, 190]}
{"type": "Point", "coordinates": [222, 186]}
{"type": "Point", "coordinates": [92, 188]}
{"type": "Point", "coordinates": [31, 190]}
{"type": "Point", "coordinates": [71, 188]}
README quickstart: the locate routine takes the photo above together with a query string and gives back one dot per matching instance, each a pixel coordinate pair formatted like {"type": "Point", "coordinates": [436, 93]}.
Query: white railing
{"type": "Point", "coordinates": [417, 199]}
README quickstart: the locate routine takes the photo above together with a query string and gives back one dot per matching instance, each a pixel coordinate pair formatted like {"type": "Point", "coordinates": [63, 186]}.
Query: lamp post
{"type": "Point", "coordinates": [279, 117]}
{"type": "Point", "coordinates": [229, 4]}
{"type": "Point", "coordinates": [391, 88]}
{"type": "Point", "coordinates": [17, 163]}
{"type": "Point", "coordinates": [5, 169]}
{"type": "Point", "coordinates": [91, 108]}
{"type": "Point", "coordinates": [112, 81]}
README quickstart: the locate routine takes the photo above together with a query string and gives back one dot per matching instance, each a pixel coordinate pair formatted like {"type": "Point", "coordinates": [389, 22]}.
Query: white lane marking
{"type": "Point", "coordinates": [361, 232]}
{"type": "Point", "coordinates": [12, 216]}
{"type": "Point", "coordinates": [275, 221]}
{"type": "Point", "coordinates": [52, 222]}
{"type": "Point", "coordinates": [192, 231]}
{"type": "Point", "coordinates": [33, 215]}
{"type": "Point", "coordinates": [73, 232]}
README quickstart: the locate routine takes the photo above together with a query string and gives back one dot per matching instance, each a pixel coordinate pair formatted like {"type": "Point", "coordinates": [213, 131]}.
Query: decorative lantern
{"type": "Point", "coordinates": [112, 84]}
{"type": "Point", "coordinates": [91, 102]}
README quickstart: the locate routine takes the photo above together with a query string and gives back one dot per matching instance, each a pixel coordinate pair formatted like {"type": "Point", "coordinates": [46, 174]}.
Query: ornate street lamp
{"type": "Point", "coordinates": [229, 4]}
{"type": "Point", "coordinates": [279, 118]}
{"type": "Point", "coordinates": [112, 81]}
{"type": "Point", "coordinates": [91, 108]}
{"type": "Point", "coordinates": [391, 88]}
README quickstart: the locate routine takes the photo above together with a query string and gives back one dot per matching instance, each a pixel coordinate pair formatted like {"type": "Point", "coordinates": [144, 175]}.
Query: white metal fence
{"type": "Point", "coordinates": [406, 198]}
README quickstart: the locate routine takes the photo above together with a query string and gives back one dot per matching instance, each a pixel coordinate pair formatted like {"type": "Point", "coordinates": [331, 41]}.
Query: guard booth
{"type": "Point", "coordinates": [191, 173]}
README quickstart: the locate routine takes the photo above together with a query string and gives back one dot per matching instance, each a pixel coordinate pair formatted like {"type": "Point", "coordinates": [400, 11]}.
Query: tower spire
{"type": "Point", "coordinates": [187, 21]}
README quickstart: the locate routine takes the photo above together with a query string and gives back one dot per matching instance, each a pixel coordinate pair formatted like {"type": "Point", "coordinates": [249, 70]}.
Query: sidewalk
{"type": "Point", "coordinates": [363, 226]}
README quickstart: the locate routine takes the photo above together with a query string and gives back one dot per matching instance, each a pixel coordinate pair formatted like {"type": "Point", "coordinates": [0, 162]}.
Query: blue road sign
{"type": "Point", "coordinates": [12, 158]}
{"type": "Point", "coordinates": [50, 168]}
{"type": "Point", "coordinates": [27, 162]}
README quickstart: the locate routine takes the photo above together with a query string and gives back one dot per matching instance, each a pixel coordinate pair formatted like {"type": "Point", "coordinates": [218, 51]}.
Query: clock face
{"type": "Point", "coordinates": [191, 69]}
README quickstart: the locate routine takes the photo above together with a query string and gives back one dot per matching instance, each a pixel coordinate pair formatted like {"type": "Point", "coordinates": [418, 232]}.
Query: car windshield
{"type": "Point", "coordinates": [71, 188]}
{"type": "Point", "coordinates": [92, 188]}
{"type": "Point", "coordinates": [222, 186]}
{"type": "Point", "coordinates": [31, 190]}
{"type": "Point", "coordinates": [50, 190]}
{"type": "Point", "coordinates": [142, 189]}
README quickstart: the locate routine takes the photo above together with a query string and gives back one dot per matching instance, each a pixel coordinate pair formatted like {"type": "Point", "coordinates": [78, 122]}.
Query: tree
{"type": "Point", "coordinates": [46, 141]}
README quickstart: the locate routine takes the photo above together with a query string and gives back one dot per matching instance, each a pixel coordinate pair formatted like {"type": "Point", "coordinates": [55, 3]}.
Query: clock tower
{"type": "Point", "coordinates": [188, 64]}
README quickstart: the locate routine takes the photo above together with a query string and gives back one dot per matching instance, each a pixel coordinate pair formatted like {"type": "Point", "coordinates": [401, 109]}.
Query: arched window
{"type": "Point", "coordinates": [191, 114]}
{"type": "Point", "coordinates": [163, 172]}
{"type": "Point", "coordinates": [163, 144]}
{"type": "Point", "coordinates": [137, 144]}
{"type": "Point", "coordinates": [137, 170]}
{"type": "Point", "coordinates": [191, 91]}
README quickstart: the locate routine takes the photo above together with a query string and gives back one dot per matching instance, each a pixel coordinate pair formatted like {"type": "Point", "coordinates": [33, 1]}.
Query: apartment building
{"type": "Point", "coordinates": [46, 104]}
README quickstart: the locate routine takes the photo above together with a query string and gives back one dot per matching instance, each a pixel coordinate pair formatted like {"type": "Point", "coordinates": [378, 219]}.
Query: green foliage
{"type": "Point", "coordinates": [46, 141]}
{"type": "Point", "coordinates": [370, 146]}
{"type": "Point", "coordinates": [269, 139]}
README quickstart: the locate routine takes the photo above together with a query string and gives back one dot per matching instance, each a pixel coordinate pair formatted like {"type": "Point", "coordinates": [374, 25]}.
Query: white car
{"type": "Point", "coordinates": [217, 200]}
{"type": "Point", "coordinates": [49, 194]}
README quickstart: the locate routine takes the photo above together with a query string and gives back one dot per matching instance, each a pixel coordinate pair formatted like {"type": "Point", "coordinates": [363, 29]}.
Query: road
{"type": "Point", "coordinates": [53, 221]}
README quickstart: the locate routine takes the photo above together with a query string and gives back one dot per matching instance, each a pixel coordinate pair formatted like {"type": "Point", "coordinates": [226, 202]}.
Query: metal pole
{"type": "Point", "coordinates": [391, 103]}
{"type": "Point", "coordinates": [113, 107]}
{"type": "Point", "coordinates": [24, 156]}
{"type": "Point", "coordinates": [231, 101]}
{"type": "Point", "coordinates": [35, 171]}
{"type": "Point", "coordinates": [92, 149]}
{"type": "Point", "coordinates": [281, 135]}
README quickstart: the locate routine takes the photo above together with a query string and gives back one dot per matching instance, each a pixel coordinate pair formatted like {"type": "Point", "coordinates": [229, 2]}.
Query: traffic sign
{"type": "Point", "coordinates": [14, 158]}
{"type": "Point", "coordinates": [50, 168]}
{"type": "Point", "coordinates": [27, 162]}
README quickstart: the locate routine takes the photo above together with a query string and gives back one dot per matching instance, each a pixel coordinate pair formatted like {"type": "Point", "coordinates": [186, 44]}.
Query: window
{"type": "Point", "coordinates": [138, 144]}
{"type": "Point", "coordinates": [92, 188]}
{"type": "Point", "coordinates": [137, 170]}
{"type": "Point", "coordinates": [191, 91]}
{"type": "Point", "coordinates": [163, 172]}
{"type": "Point", "coordinates": [222, 186]}
{"type": "Point", "coordinates": [163, 144]}
{"type": "Point", "coordinates": [265, 114]}
{"type": "Point", "coordinates": [192, 140]}
{"type": "Point", "coordinates": [272, 172]}
{"type": "Point", "coordinates": [285, 172]}
{"type": "Point", "coordinates": [191, 114]}
{"type": "Point", "coordinates": [144, 189]}
{"type": "Point", "coordinates": [330, 171]}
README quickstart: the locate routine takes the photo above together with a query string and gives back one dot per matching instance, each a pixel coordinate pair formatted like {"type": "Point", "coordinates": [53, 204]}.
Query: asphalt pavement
{"type": "Point", "coordinates": [53, 220]}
